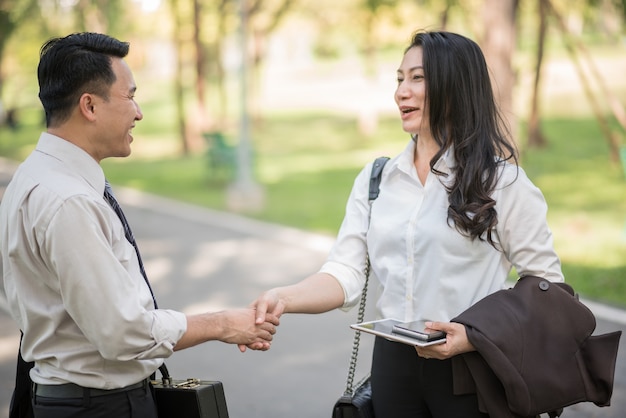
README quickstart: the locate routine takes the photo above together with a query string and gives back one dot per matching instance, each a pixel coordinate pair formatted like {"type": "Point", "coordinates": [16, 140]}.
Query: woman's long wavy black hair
{"type": "Point", "coordinates": [463, 114]}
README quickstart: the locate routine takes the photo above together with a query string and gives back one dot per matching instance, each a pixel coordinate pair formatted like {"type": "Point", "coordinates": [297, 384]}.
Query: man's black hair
{"type": "Point", "coordinates": [73, 65]}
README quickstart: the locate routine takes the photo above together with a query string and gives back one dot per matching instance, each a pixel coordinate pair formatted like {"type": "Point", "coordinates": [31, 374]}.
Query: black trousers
{"type": "Point", "coordinates": [136, 403]}
{"type": "Point", "coordinates": [405, 385]}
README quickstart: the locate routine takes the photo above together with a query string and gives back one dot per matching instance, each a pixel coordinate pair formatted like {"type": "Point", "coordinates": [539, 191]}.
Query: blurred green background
{"type": "Point", "coordinates": [318, 102]}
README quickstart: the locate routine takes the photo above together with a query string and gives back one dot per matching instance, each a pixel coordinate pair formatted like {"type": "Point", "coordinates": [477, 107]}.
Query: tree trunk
{"type": "Point", "coordinates": [613, 139]}
{"type": "Point", "coordinates": [200, 87]}
{"type": "Point", "coordinates": [199, 121]}
{"type": "Point", "coordinates": [498, 45]}
{"type": "Point", "coordinates": [6, 29]}
{"type": "Point", "coordinates": [220, 73]}
{"type": "Point", "coordinates": [178, 80]}
{"type": "Point", "coordinates": [368, 119]}
{"type": "Point", "coordinates": [260, 33]}
{"type": "Point", "coordinates": [444, 17]}
{"type": "Point", "coordinates": [9, 22]}
{"type": "Point", "coordinates": [536, 139]}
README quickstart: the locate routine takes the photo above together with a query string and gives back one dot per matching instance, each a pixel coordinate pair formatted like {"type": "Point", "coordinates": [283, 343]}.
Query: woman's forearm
{"type": "Point", "coordinates": [317, 293]}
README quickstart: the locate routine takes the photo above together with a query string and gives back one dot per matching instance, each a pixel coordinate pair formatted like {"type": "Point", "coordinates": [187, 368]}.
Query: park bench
{"type": "Point", "coordinates": [221, 155]}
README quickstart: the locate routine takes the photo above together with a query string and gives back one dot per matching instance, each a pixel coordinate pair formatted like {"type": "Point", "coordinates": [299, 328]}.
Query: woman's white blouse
{"type": "Point", "coordinates": [421, 266]}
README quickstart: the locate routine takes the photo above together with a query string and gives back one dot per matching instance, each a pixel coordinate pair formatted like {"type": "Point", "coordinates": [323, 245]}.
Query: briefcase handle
{"type": "Point", "coordinates": [165, 375]}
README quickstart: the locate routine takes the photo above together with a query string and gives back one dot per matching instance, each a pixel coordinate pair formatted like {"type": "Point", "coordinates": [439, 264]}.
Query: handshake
{"type": "Point", "coordinates": [259, 322]}
{"type": "Point", "coordinates": [254, 327]}
{"type": "Point", "coordinates": [315, 294]}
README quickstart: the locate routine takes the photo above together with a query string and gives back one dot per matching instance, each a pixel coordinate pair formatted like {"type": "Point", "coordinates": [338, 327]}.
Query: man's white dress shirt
{"type": "Point", "coordinates": [72, 279]}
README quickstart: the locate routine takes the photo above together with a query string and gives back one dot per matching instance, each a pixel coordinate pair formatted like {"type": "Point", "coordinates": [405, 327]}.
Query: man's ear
{"type": "Point", "coordinates": [87, 106]}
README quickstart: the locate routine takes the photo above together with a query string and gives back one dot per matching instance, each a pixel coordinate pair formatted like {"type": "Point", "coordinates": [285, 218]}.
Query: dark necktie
{"type": "Point", "coordinates": [108, 195]}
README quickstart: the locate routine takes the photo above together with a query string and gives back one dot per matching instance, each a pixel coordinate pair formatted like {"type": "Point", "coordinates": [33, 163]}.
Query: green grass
{"type": "Point", "coordinates": [306, 163]}
{"type": "Point", "coordinates": [586, 194]}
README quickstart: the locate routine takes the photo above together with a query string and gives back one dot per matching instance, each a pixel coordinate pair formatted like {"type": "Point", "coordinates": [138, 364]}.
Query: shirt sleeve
{"type": "Point", "coordinates": [522, 228]}
{"type": "Point", "coordinates": [96, 272]}
{"type": "Point", "coordinates": [347, 259]}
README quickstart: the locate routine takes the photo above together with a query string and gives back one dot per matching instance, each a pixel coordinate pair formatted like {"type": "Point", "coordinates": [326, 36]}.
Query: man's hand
{"type": "Point", "coordinates": [235, 326]}
{"type": "Point", "coordinates": [267, 307]}
{"type": "Point", "coordinates": [317, 293]}
{"type": "Point", "coordinates": [239, 326]}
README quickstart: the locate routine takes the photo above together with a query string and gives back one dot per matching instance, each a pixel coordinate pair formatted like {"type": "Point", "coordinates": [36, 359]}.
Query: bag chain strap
{"type": "Point", "coordinates": [357, 335]}
{"type": "Point", "coordinates": [375, 179]}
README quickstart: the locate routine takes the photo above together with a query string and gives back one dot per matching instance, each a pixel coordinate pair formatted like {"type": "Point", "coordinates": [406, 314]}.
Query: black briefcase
{"type": "Point", "coordinates": [191, 398]}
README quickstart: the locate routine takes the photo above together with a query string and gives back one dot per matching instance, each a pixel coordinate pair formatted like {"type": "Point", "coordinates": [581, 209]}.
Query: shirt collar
{"type": "Point", "coordinates": [74, 158]}
{"type": "Point", "coordinates": [404, 162]}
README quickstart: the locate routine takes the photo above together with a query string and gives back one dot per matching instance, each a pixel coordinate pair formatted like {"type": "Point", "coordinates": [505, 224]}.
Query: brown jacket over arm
{"type": "Point", "coordinates": [535, 353]}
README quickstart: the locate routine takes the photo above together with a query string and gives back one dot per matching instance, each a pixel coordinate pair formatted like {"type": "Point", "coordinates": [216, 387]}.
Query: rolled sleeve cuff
{"type": "Point", "coordinates": [168, 327]}
{"type": "Point", "coordinates": [351, 283]}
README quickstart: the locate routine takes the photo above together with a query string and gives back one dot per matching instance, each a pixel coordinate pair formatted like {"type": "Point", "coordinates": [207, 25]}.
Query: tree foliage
{"type": "Point", "coordinates": [12, 14]}
{"type": "Point", "coordinates": [204, 34]}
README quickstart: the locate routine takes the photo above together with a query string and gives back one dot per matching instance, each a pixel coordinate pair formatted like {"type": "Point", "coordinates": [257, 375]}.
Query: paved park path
{"type": "Point", "coordinates": [199, 259]}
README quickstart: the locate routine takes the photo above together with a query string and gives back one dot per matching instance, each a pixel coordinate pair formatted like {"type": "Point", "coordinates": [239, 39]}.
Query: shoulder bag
{"type": "Point", "coordinates": [356, 401]}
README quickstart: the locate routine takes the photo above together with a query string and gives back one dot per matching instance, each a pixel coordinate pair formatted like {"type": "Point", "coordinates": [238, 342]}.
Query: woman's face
{"type": "Point", "coordinates": [411, 93]}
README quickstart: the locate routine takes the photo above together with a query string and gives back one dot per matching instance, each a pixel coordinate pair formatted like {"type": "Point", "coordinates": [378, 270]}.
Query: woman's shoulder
{"type": "Point", "coordinates": [513, 177]}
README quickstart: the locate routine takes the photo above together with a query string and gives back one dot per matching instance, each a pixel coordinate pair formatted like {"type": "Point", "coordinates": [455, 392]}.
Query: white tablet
{"type": "Point", "coordinates": [411, 333]}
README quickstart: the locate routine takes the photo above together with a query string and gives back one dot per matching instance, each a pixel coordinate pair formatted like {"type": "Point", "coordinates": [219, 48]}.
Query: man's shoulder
{"type": "Point", "coordinates": [48, 189]}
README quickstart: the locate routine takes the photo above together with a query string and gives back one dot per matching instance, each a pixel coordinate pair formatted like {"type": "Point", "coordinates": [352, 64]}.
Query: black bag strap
{"type": "Point", "coordinates": [21, 406]}
{"type": "Point", "coordinates": [376, 177]}
{"type": "Point", "coordinates": [374, 190]}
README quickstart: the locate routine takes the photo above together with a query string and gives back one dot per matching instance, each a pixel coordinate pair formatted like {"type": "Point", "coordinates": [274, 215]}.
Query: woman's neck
{"type": "Point", "coordinates": [425, 150]}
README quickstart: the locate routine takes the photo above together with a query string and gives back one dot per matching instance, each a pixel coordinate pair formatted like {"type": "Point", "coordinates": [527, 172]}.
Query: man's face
{"type": "Point", "coordinates": [116, 117]}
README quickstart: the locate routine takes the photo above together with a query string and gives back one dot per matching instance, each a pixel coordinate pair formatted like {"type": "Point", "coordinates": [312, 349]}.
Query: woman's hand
{"type": "Point", "coordinates": [317, 293]}
{"type": "Point", "coordinates": [268, 304]}
{"type": "Point", "coordinates": [456, 341]}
